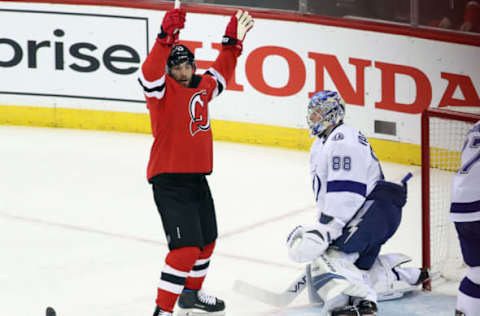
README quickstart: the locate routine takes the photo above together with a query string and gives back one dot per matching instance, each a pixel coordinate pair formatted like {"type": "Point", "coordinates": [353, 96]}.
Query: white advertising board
{"type": "Point", "coordinates": [87, 57]}
{"type": "Point", "coordinates": [54, 53]}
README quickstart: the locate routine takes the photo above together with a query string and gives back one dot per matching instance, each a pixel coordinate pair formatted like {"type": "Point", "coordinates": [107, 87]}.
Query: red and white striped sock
{"type": "Point", "coordinates": [199, 271]}
{"type": "Point", "coordinates": [178, 264]}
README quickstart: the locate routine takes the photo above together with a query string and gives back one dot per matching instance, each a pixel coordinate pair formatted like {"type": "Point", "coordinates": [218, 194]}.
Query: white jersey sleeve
{"type": "Point", "coordinates": [465, 195]}
{"type": "Point", "coordinates": [344, 171]}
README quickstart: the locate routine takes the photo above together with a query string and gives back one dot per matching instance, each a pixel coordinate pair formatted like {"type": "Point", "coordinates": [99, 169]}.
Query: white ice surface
{"type": "Point", "coordinates": [79, 230]}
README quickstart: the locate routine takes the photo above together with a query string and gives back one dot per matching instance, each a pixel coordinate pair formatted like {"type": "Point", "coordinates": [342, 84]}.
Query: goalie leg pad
{"type": "Point", "coordinates": [333, 279]}
{"type": "Point", "coordinates": [393, 264]}
{"type": "Point", "coordinates": [392, 281]}
{"type": "Point", "coordinates": [324, 282]}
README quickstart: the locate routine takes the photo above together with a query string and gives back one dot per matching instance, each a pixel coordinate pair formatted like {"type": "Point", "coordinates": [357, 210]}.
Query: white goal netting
{"type": "Point", "coordinates": [447, 136]}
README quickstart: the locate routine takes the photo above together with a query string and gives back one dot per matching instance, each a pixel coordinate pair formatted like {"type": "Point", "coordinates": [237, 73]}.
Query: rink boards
{"type": "Point", "coordinates": [78, 68]}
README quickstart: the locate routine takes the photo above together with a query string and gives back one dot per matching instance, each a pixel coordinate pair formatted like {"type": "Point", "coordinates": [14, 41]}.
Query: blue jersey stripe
{"type": "Point", "coordinates": [469, 288]}
{"type": "Point", "coordinates": [322, 279]}
{"type": "Point", "coordinates": [465, 207]}
{"type": "Point", "coordinates": [347, 186]}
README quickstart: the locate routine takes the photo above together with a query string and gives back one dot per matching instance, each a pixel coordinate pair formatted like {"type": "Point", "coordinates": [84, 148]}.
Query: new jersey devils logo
{"type": "Point", "coordinates": [199, 113]}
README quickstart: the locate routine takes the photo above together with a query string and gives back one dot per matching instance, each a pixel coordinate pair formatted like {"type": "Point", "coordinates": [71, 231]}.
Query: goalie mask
{"type": "Point", "coordinates": [179, 55]}
{"type": "Point", "coordinates": [326, 108]}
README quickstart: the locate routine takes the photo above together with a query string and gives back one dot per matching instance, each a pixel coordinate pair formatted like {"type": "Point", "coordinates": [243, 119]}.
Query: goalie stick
{"type": "Point", "coordinates": [271, 298]}
{"type": "Point", "coordinates": [297, 286]}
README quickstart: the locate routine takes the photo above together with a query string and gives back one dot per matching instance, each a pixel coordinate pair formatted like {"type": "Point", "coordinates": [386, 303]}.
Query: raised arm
{"type": "Point", "coordinates": [232, 45]}
{"type": "Point", "coordinates": [152, 75]}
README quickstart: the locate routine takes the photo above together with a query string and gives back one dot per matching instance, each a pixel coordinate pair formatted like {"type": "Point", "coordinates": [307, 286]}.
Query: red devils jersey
{"type": "Point", "coordinates": [179, 116]}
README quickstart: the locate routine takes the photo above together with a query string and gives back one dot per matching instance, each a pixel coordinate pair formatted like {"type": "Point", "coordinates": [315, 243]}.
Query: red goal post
{"type": "Point", "coordinates": [443, 134]}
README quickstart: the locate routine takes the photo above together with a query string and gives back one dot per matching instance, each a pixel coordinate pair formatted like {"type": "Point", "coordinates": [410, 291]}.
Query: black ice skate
{"type": "Point", "coordinates": [193, 303]}
{"type": "Point", "coordinates": [51, 312]}
{"type": "Point", "coordinates": [363, 308]}
{"type": "Point", "coordinates": [159, 312]}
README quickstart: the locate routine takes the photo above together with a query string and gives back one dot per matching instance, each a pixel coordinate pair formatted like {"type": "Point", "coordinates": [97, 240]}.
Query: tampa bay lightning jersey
{"type": "Point", "coordinates": [344, 171]}
{"type": "Point", "coordinates": [465, 197]}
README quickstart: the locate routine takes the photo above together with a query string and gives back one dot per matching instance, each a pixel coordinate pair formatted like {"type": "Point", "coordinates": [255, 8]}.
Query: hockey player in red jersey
{"type": "Point", "coordinates": [181, 157]}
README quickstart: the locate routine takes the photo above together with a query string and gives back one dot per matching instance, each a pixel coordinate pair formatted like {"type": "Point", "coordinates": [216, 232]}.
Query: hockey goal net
{"type": "Point", "coordinates": [443, 135]}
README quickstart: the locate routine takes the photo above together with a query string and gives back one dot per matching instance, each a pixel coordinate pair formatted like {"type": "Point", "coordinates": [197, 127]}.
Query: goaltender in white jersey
{"type": "Point", "coordinates": [358, 211]}
{"type": "Point", "coordinates": [344, 171]}
{"type": "Point", "coordinates": [465, 212]}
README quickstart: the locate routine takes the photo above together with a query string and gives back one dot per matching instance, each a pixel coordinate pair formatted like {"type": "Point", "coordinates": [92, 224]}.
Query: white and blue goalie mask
{"type": "Point", "coordinates": [325, 108]}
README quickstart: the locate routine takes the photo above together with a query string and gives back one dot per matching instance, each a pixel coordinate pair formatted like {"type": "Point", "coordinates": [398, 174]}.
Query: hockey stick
{"type": "Point", "coordinates": [406, 178]}
{"type": "Point", "coordinates": [271, 298]}
{"type": "Point", "coordinates": [176, 6]}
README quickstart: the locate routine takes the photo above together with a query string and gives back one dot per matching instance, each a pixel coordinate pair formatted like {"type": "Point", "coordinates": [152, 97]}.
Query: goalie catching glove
{"type": "Point", "coordinates": [306, 243]}
{"type": "Point", "coordinates": [173, 22]}
{"type": "Point", "coordinates": [237, 28]}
